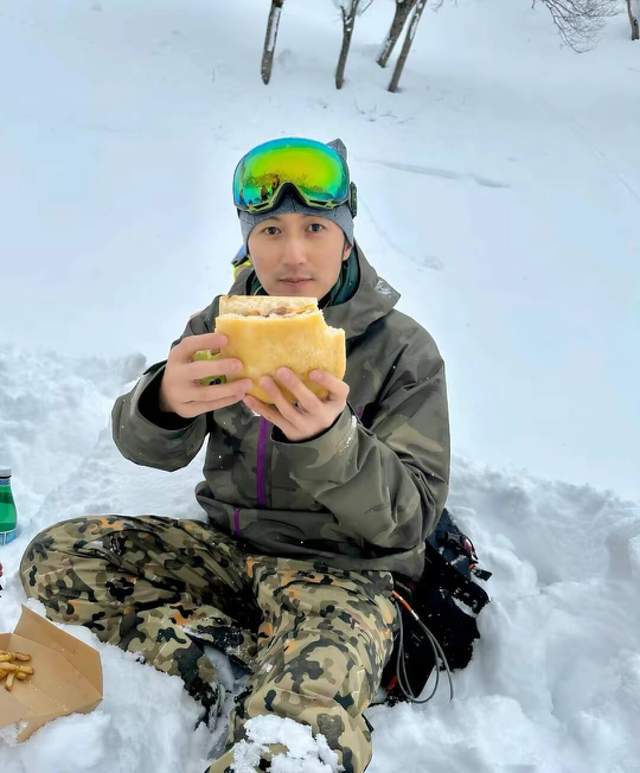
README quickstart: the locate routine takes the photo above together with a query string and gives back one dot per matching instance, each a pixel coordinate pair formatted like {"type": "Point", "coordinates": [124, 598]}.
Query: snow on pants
{"type": "Point", "coordinates": [314, 638]}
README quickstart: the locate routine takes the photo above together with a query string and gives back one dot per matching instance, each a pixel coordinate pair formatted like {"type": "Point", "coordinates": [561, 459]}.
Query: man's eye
{"type": "Point", "coordinates": [271, 230]}
{"type": "Point", "coordinates": [316, 227]}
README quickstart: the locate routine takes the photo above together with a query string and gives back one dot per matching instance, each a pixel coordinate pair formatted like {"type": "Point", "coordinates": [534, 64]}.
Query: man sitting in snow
{"type": "Point", "coordinates": [310, 507]}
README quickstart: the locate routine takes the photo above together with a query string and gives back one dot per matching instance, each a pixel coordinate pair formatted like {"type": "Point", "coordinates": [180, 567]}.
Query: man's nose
{"type": "Point", "coordinates": [294, 250]}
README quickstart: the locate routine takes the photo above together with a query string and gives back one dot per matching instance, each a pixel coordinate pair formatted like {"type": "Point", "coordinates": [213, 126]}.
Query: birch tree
{"type": "Point", "coordinates": [400, 16]}
{"type": "Point", "coordinates": [406, 46]}
{"type": "Point", "coordinates": [633, 9]}
{"type": "Point", "coordinates": [270, 38]}
{"type": "Point", "coordinates": [349, 9]}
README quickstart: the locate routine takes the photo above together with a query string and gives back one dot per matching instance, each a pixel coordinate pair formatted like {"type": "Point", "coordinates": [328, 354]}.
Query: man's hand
{"type": "Point", "coordinates": [310, 415]}
{"type": "Point", "coordinates": [180, 391]}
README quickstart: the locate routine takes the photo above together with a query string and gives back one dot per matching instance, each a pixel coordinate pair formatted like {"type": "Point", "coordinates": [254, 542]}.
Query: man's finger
{"type": "Point", "coordinates": [305, 397]}
{"type": "Point", "coordinates": [268, 412]}
{"type": "Point", "coordinates": [191, 410]}
{"type": "Point", "coordinates": [191, 344]}
{"type": "Point", "coordinates": [284, 407]}
{"type": "Point", "coordinates": [206, 394]}
{"type": "Point", "coordinates": [227, 366]}
{"type": "Point", "coordinates": [337, 389]}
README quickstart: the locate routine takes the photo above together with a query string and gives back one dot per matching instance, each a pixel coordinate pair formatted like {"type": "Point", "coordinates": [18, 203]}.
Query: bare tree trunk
{"type": "Point", "coordinates": [634, 20]}
{"type": "Point", "coordinates": [348, 20]}
{"type": "Point", "coordinates": [406, 46]}
{"type": "Point", "coordinates": [270, 39]}
{"type": "Point", "coordinates": [403, 9]}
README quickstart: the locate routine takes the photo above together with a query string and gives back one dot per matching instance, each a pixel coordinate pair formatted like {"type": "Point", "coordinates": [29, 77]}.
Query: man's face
{"type": "Point", "coordinates": [296, 254]}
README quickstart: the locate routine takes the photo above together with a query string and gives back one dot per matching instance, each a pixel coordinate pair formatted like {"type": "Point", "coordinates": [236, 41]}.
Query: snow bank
{"type": "Point", "coordinates": [555, 680]}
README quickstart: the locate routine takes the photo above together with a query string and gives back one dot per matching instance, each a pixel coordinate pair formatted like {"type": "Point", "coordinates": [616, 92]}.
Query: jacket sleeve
{"type": "Point", "coordinates": [387, 484]}
{"type": "Point", "coordinates": [145, 435]}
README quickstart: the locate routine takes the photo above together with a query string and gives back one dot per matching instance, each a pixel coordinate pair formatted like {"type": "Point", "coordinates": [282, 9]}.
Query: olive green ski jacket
{"type": "Point", "coordinates": [362, 495]}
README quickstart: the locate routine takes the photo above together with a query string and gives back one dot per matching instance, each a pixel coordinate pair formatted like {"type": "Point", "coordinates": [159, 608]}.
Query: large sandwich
{"type": "Point", "coordinates": [267, 332]}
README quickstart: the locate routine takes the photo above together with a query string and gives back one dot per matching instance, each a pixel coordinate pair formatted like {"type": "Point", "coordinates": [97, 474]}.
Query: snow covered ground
{"type": "Point", "coordinates": [556, 678]}
{"type": "Point", "coordinates": [499, 193]}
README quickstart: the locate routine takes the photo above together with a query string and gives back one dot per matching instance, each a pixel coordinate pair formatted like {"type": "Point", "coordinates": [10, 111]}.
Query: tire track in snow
{"type": "Point", "coordinates": [432, 171]}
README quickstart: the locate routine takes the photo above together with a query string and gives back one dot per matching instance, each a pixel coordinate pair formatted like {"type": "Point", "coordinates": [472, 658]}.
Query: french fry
{"type": "Point", "coordinates": [11, 670]}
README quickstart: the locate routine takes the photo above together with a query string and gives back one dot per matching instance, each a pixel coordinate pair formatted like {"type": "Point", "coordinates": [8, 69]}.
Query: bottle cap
{"type": "Point", "coordinates": [5, 472]}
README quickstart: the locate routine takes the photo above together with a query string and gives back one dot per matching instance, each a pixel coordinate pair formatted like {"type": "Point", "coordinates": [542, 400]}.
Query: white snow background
{"type": "Point", "coordinates": [499, 192]}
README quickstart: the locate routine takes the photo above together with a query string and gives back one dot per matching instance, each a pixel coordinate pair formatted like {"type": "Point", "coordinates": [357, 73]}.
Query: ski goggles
{"type": "Point", "coordinates": [317, 172]}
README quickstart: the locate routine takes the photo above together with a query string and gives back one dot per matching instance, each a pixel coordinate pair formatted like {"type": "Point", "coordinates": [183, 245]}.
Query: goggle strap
{"type": "Point", "coordinates": [353, 199]}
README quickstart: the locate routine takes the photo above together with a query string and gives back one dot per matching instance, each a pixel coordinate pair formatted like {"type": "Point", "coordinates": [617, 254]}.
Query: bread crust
{"type": "Point", "coordinates": [268, 332]}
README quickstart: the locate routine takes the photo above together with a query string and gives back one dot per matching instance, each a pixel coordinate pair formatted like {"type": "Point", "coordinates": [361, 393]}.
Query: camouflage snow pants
{"type": "Point", "coordinates": [314, 638]}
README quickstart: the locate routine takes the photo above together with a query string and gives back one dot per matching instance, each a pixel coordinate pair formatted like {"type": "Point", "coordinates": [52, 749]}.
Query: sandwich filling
{"type": "Point", "coordinates": [280, 312]}
{"type": "Point", "coordinates": [270, 307]}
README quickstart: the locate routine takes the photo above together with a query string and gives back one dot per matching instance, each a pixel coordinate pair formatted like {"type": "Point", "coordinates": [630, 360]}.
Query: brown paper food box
{"type": "Point", "coordinates": [67, 675]}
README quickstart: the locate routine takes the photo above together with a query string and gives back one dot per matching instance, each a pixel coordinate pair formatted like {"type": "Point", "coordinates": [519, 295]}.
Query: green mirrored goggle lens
{"type": "Point", "coordinates": [317, 172]}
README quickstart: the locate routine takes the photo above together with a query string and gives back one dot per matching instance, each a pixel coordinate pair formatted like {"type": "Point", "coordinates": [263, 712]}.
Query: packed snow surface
{"type": "Point", "coordinates": [499, 193]}
{"type": "Point", "coordinates": [555, 680]}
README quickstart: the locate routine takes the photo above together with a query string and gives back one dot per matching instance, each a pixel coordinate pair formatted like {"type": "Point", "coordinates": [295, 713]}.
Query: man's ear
{"type": "Point", "coordinates": [346, 250]}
